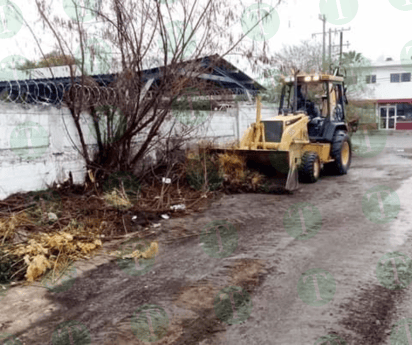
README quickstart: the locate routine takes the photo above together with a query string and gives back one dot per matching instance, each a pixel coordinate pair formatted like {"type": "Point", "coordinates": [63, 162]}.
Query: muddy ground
{"type": "Point", "coordinates": [261, 259]}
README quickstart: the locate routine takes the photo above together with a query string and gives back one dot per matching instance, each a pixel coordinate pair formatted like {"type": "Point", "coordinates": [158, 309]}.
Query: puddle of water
{"type": "Point", "coordinates": [392, 157]}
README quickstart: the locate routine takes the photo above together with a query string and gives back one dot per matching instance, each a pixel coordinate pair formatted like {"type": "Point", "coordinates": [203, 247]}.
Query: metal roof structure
{"type": "Point", "coordinates": [222, 76]}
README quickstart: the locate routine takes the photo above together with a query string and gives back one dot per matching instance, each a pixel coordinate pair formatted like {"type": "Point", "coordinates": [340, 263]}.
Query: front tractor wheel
{"type": "Point", "coordinates": [309, 170]}
{"type": "Point", "coordinates": [341, 152]}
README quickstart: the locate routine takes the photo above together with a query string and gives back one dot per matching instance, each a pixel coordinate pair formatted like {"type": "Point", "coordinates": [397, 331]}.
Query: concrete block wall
{"type": "Point", "coordinates": [37, 148]}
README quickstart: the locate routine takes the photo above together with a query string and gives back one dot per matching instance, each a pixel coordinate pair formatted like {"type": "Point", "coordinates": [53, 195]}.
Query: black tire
{"type": "Point", "coordinates": [340, 144]}
{"type": "Point", "coordinates": [309, 170]}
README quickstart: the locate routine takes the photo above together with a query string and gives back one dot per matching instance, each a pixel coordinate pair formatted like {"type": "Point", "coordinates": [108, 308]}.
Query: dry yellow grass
{"type": "Point", "coordinates": [45, 251]}
{"type": "Point", "coordinates": [146, 254]}
{"type": "Point", "coordinates": [37, 265]}
{"type": "Point", "coordinates": [9, 225]}
{"type": "Point", "coordinates": [118, 199]}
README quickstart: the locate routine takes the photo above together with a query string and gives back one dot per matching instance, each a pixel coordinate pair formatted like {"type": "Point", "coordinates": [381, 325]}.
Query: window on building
{"type": "Point", "coordinates": [395, 78]}
{"type": "Point", "coordinates": [406, 77]}
{"type": "Point", "coordinates": [370, 79]}
{"type": "Point", "coordinates": [404, 112]}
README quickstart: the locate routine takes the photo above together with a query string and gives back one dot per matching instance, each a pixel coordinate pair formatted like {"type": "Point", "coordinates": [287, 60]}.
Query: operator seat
{"type": "Point", "coordinates": [315, 126]}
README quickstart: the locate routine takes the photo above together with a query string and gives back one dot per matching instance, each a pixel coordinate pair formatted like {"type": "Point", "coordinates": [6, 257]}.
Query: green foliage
{"type": "Point", "coordinates": [27, 65]}
{"type": "Point", "coordinates": [271, 80]}
{"type": "Point", "coordinates": [11, 266]}
{"type": "Point", "coordinates": [351, 58]}
{"type": "Point", "coordinates": [357, 67]}
{"type": "Point", "coordinates": [364, 111]}
{"type": "Point", "coordinates": [203, 172]}
{"type": "Point", "coordinates": [123, 181]}
{"type": "Point", "coordinates": [184, 104]}
{"type": "Point", "coordinates": [111, 124]}
{"type": "Point", "coordinates": [49, 60]}
{"type": "Point", "coordinates": [45, 202]}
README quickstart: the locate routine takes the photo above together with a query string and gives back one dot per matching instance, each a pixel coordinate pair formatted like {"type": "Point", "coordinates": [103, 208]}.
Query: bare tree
{"type": "Point", "coordinates": [306, 57]}
{"type": "Point", "coordinates": [143, 35]}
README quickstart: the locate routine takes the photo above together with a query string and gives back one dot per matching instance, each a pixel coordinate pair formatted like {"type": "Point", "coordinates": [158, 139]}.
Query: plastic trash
{"type": "Point", "coordinates": [178, 207]}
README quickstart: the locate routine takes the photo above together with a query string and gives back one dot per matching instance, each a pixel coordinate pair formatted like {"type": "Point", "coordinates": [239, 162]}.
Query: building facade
{"type": "Point", "coordinates": [388, 86]}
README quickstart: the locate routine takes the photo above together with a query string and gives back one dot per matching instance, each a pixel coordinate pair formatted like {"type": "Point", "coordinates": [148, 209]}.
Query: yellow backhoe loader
{"type": "Point", "coordinates": [308, 134]}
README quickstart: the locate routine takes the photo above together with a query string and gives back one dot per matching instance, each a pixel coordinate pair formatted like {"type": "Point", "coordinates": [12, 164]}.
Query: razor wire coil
{"type": "Point", "coordinates": [56, 93]}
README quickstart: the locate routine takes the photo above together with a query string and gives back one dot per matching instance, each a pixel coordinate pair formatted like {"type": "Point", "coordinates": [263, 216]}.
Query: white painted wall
{"type": "Point", "coordinates": [59, 157]}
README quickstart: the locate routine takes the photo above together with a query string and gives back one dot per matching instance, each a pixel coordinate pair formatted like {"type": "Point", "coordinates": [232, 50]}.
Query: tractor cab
{"type": "Point", "coordinates": [319, 96]}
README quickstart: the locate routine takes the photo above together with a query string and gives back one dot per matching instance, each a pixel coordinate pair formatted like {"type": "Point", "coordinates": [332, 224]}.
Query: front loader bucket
{"type": "Point", "coordinates": [277, 165]}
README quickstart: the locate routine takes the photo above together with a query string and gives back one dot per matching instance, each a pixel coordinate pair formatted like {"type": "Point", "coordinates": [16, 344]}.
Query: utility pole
{"type": "Point", "coordinates": [330, 50]}
{"type": "Point", "coordinates": [347, 44]}
{"type": "Point", "coordinates": [323, 19]}
{"type": "Point", "coordinates": [331, 46]}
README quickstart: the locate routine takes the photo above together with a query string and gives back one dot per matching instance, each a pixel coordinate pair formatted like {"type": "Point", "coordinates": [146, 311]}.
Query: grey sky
{"type": "Point", "coordinates": [378, 30]}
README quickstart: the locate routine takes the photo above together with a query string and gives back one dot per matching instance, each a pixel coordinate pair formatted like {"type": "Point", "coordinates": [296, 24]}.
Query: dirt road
{"type": "Point", "coordinates": [306, 268]}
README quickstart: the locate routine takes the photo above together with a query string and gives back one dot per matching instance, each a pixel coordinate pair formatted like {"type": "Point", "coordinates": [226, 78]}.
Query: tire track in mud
{"type": "Point", "coordinates": [369, 315]}
{"type": "Point", "coordinates": [196, 321]}
{"type": "Point", "coordinates": [371, 312]}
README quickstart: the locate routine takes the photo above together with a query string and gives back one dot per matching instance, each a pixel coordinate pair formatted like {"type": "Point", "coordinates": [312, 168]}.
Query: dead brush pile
{"type": "Point", "coordinates": [233, 167]}
{"type": "Point", "coordinates": [11, 266]}
{"type": "Point", "coordinates": [237, 177]}
{"type": "Point", "coordinates": [54, 250]}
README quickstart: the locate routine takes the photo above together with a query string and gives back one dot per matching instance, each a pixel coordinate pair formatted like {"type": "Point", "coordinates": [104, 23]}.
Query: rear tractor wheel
{"type": "Point", "coordinates": [341, 152]}
{"type": "Point", "coordinates": [309, 170]}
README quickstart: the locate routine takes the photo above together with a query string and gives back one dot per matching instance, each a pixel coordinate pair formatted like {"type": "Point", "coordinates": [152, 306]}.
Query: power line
{"type": "Point", "coordinates": [331, 46]}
